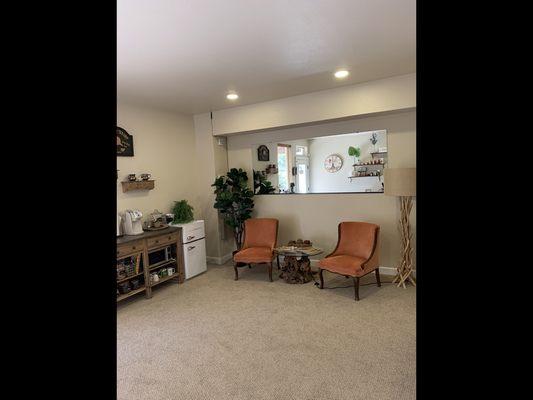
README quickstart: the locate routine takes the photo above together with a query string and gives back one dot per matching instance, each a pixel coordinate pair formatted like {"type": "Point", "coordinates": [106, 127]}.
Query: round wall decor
{"type": "Point", "coordinates": [333, 163]}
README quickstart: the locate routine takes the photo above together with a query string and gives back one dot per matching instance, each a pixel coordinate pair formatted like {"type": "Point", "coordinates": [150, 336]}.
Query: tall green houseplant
{"type": "Point", "coordinates": [234, 201]}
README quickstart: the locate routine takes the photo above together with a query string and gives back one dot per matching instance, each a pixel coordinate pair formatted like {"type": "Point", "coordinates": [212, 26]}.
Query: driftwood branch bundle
{"type": "Point", "coordinates": [405, 267]}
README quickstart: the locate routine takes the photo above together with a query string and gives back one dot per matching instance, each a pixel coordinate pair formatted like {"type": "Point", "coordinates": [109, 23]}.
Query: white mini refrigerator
{"type": "Point", "coordinates": [193, 239]}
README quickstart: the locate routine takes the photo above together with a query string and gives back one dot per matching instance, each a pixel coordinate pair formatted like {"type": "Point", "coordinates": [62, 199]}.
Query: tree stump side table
{"type": "Point", "coordinates": [296, 266]}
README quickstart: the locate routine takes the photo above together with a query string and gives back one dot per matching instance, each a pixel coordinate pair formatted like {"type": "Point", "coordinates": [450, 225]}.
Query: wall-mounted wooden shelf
{"type": "Point", "coordinates": [364, 176]}
{"type": "Point", "coordinates": [368, 165]}
{"type": "Point", "coordinates": [137, 185]}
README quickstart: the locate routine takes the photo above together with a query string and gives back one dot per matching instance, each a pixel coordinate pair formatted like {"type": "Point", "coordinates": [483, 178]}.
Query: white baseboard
{"type": "Point", "coordinates": [382, 270]}
{"type": "Point", "coordinates": [224, 259]}
{"type": "Point", "coordinates": [219, 260]}
{"type": "Point", "coordinates": [387, 271]}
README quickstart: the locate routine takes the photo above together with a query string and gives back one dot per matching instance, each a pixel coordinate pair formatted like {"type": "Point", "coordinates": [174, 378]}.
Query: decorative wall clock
{"type": "Point", "coordinates": [333, 163]}
{"type": "Point", "coordinates": [124, 143]}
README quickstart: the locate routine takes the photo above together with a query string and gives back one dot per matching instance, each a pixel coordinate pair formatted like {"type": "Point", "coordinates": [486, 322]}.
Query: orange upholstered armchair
{"type": "Point", "coordinates": [260, 236]}
{"type": "Point", "coordinates": [356, 254]}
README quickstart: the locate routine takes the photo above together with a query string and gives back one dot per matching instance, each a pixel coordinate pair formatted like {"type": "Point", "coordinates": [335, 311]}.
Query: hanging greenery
{"type": "Point", "coordinates": [234, 201]}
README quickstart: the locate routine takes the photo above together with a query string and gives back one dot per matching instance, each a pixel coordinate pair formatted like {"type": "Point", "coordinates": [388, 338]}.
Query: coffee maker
{"type": "Point", "coordinates": [132, 222]}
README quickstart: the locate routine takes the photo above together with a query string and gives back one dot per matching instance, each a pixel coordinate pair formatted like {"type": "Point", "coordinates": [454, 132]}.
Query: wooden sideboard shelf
{"type": "Point", "coordinates": [151, 245]}
{"type": "Point", "coordinates": [369, 165]}
{"type": "Point", "coordinates": [364, 176]}
{"type": "Point", "coordinates": [137, 185]}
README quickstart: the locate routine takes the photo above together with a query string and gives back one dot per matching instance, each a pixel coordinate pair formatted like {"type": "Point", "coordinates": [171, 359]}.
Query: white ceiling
{"type": "Point", "coordinates": [185, 55]}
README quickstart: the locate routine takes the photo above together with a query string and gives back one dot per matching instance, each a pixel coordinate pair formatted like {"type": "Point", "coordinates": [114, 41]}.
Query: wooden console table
{"type": "Point", "coordinates": [140, 247]}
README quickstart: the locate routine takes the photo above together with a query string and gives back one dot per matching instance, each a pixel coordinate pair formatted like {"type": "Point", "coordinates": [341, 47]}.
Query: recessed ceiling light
{"type": "Point", "coordinates": [342, 73]}
{"type": "Point", "coordinates": [232, 96]}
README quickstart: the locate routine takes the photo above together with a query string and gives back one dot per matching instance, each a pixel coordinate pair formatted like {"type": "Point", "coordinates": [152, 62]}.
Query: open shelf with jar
{"type": "Point", "coordinates": [148, 259]}
{"type": "Point", "coordinates": [162, 265]}
{"type": "Point", "coordinates": [130, 275]}
{"type": "Point", "coordinates": [371, 168]}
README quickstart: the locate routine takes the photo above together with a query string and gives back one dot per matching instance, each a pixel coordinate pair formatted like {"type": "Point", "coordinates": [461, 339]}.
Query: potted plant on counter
{"type": "Point", "coordinates": [261, 183]}
{"type": "Point", "coordinates": [182, 212]}
{"type": "Point", "coordinates": [234, 201]}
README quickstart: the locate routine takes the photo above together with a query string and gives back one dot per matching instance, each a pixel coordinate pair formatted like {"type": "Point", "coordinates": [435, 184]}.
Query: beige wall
{"type": "Point", "coordinates": [316, 216]}
{"type": "Point", "coordinates": [162, 144]}
{"type": "Point", "coordinates": [323, 181]}
{"type": "Point", "coordinates": [383, 95]}
{"type": "Point", "coordinates": [212, 162]}
{"type": "Point", "coordinates": [184, 158]}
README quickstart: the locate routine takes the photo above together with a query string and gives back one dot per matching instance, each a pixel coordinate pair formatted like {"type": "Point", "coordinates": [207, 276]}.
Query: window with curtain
{"type": "Point", "coordinates": [284, 167]}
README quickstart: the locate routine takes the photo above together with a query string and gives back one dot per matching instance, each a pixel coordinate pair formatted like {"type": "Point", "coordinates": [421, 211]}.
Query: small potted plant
{"type": "Point", "coordinates": [374, 140]}
{"type": "Point", "coordinates": [355, 152]}
{"type": "Point", "coordinates": [182, 212]}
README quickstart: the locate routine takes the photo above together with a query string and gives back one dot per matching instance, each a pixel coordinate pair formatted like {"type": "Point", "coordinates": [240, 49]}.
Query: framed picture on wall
{"type": "Point", "coordinates": [124, 143]}
{"type": "Point", "coordinates": [263, 154]}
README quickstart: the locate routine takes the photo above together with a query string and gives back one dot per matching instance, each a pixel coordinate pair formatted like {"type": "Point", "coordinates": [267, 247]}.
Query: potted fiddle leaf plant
{"type": "Point", "coordinates": [234, 201]}
{"type": "Point", "coordinates": [355, 152]}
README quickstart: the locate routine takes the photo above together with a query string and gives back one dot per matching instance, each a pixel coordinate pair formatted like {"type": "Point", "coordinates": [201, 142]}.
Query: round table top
{"type": "Point", "coordinates": [297, 251]}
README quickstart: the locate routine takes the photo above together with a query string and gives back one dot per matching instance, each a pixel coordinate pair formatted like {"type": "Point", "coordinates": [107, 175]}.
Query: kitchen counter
{"type": "Point", "coordinates": [145, 235]}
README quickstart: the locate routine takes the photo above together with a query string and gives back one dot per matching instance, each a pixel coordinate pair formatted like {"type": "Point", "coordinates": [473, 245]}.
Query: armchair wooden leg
{"type": "Point", "coordinates": [236, 271]}
{"type": "Point", "coordinates": [277, 258]}
{"type": "Point", "coordinates": [320, 270]}
{"type": "Point", "coordinates": [356, 287]}
{"type": "Point", "coordinates": [377, 277]}
{"type": "Point", "coordinates": [270, 271]}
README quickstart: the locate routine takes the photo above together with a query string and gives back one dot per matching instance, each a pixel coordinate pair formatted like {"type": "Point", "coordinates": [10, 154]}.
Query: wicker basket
{"type": "Point", "coordinates": [124, 287]}
{"type": "Point", "coordinates": [121, 272]}
{"type": "Point", "coordinates": [130, 269]}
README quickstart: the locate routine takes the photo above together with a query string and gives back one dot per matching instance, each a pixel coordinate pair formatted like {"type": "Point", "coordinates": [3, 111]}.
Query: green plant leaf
{"type": "Point", "coordinates": [354, 151]}
{"type": "Point", "coordinates": [182, 212]}
{"type": "Point", "coordinates": [234, 198]}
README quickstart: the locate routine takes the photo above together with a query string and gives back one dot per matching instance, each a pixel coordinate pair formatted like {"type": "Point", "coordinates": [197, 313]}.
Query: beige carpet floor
{"type": "Point", "coordinates": [216, 338]}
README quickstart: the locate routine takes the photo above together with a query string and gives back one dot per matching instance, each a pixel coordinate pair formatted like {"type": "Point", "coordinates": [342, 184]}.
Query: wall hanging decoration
{"type": "Point", "coordinates": [263, 154]}
{"type": "Point", "coordinates": [333, 163]}
{"type": "Point", "coordinates": [374, 140]}
{"type": "Point", "coordinates": [124, 143]}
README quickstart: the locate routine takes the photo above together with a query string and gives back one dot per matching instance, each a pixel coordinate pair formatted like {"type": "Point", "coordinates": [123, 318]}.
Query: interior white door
{"type": "Point", "coordinates": [302, 174]}
{"type": "Point", "coordinates": [194, 257]}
